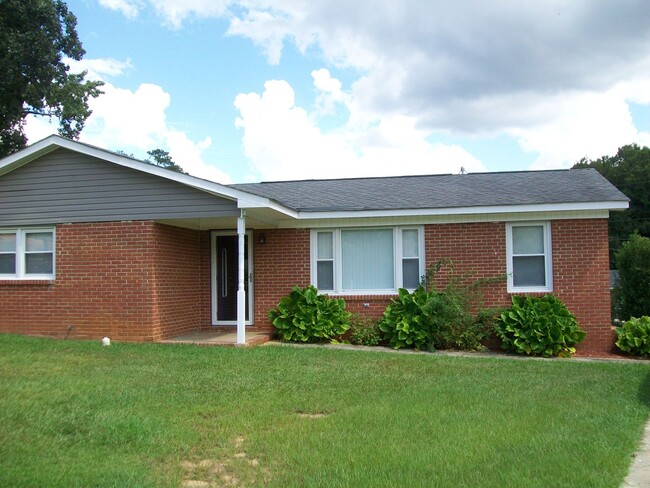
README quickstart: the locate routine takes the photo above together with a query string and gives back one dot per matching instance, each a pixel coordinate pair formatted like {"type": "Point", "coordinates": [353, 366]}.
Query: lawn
{"type": "Point", "coordinates": [73, 413]}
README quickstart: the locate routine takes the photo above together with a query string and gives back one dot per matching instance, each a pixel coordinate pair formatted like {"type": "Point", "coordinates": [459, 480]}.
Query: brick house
{"type": "Point", "coordinates": [93, 243]}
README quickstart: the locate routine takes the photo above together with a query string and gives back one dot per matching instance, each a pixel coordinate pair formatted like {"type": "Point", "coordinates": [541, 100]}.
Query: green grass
{"type": "Point", "coordinates": [73, 413]}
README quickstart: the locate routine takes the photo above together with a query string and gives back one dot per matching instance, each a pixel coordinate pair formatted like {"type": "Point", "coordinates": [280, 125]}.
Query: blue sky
{"type": "Point", "coordinates": [256, 90]}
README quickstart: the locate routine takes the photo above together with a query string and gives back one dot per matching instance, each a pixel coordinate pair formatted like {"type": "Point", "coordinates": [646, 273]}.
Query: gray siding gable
{"type": "Point", "coordinates": [66, 186]}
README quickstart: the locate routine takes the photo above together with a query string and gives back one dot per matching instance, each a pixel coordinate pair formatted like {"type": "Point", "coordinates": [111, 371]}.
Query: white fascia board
{"type": "Point", "coordinates": [440, 219]}
{"type": "Point", "coordinates": [24, 156]}
{"type": "Point", "coordinates": [555, 207]}
{"type": "Point", "coordinates": [53, 142]}
{"type": "Point", "coordinates": [262, 202]}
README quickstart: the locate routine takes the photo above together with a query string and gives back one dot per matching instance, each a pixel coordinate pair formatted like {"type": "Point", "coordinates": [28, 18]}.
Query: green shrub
{"type": "Point", "coordinates": [306, 316]}
{"type": "Point", "coordinates": [634, 336]}
{"type": "Point", "coordinates": [539, 326]}
{"type": "Point", "coordinates": [432, 319]}
{"type": "Point", "coordinates": [454, 327]}
{"type": "Point", "coordinates": [407, 320]}
{"type": "Point", "coordinates": [633, 263]}
{"type": "Point", "coordinates": [364, 331]}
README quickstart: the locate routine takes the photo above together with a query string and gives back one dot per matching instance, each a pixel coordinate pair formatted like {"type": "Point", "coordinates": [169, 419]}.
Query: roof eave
{"type": "Point", "coordinates": [556, 207]}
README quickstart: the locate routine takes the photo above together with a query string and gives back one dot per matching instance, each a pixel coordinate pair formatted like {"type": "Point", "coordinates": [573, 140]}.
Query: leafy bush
{"type": "Point", "coordinates": [407, 320]}
{"type": "Point", "coordinates": [454, 327]}
{"type": "Point", "coordinates": [306, 316]}
{"type": "Point", "coordinates": [633, 262]}
{"type": "Point", "coordinates": [538, 326]}
{"type": "Point", "coordinates": [364, 331]}
{"type": "Point", "coordinates": [634, 336]}
{"type": "Point", "coordinates": [431, 319]}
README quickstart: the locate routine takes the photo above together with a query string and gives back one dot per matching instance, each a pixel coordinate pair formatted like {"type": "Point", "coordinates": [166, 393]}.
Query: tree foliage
{"type": "Point", "coordinates": [162, 158]}
{"type": "Point", "coordinates": [633, 261]}
{"type": "Point", "coordinates": [35, 36]}
{"type": "Point", "coordinates": [629, 171]}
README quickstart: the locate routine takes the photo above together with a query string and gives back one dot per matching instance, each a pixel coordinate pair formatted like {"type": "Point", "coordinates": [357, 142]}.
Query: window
{"type": "Point", "coordinates": [376, 260]}
{"type": "Point", "coordinates": [27, 254]}
{"type": "Point", "coordinates": [410, 258]}
{"type": "Point", "coordinates": [325, 261]}
{"type": "Point", "coordinates": [529, 257]}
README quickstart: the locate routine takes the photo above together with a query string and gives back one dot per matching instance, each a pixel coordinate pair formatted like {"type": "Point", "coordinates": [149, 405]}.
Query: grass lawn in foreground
{"type": "Point", "coordinates": [73, 413]}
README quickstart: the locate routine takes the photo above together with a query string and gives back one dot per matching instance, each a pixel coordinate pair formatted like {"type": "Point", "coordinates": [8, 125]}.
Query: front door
{"type": "Point", "coordinates": [224, 279]}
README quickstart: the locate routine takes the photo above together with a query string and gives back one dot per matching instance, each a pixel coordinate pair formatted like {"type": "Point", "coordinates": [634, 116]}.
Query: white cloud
{"type": "Point", "coordinates": [129, 8]}
{"type": "Point", "coordinates": [330, 92]}
{"type": "Point", "coordinates": [133, 119]}
{"type": "Point", "coordinates": [473, 68]}
{"type": "Point", "coordinates": [585, 125]}
{"type": "Point", "coordinates": [265, 29]}
{"type": "Point", "coordinates": [175, 12]}
{"type": "Point", "coordinates": [134, 122]}
{"type": "Point", "coordinates": [99, 68]}
{"type": "Point", "coordinates": [284, 142]}
{"type": "Point", "coordinates": [172, 12]}
{"type": "Point", "coordinates": [189, 155]}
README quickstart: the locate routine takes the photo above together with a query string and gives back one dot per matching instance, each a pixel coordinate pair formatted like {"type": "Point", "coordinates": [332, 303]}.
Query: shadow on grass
{"type": "Point", "coordinates": [644, 391]}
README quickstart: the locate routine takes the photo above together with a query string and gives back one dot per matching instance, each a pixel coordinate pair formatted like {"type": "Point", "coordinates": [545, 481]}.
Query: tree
{"type": "Point", "coordinates": [164, 160]}
{"type": "Point", "coordinates": [633, 261]}
{"type": "Point", "coordinates": [35, 35]}
{"type": "Point", "coordinates": [629, 171]}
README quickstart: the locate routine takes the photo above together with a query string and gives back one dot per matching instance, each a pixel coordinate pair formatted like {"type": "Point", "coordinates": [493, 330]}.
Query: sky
{"type": "Point", "coordinates": [266, 90]}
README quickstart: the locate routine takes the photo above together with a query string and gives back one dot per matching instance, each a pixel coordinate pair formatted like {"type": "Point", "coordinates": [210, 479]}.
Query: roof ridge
{"type": "Point", "coordinates": [392, 177]}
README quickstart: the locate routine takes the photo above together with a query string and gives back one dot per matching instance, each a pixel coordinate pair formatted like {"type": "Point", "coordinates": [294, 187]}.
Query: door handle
{"type": "Point", "coordinates": [224, 273]}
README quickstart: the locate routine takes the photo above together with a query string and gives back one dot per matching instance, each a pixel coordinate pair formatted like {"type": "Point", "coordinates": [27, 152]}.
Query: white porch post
{"type": "Point", "coordinates": [241, 292]}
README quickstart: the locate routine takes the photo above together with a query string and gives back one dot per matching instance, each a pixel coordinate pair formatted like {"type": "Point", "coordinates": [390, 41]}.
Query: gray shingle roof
{"type": "Point", "coordinates": [440, 191]}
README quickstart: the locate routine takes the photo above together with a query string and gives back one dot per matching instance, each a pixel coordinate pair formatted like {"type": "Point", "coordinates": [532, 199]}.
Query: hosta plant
{"type": "Point", "coordinates": [634, 336]}
{"type": "Point", "coordinates": [538, 326]}
{"type": "Point", "coordinates": [407, 320]}
{"type": "Point", "coordinates": [306, 316]}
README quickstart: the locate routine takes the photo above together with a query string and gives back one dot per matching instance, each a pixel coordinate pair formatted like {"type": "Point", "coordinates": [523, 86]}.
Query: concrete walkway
{"type": "Point", "coordinates": [219, 338]}
{"type": "Point", "coordinates": [639, 475]}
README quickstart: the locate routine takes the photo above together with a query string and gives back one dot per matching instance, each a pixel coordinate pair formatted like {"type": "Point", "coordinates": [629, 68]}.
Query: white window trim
{"type": "Point", "coordinates": [20, 254]}
{"type": "Point", "coordinates": [548, 258]}
{"type": "Point", "coordinates": [397, 258]}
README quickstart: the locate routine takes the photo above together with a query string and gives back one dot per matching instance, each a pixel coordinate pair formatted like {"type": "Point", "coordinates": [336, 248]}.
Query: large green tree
{"type": "Point", "coordinates": [35, 37]}
{"type": "Point", "coordinates": [633, 262]}
{"type": "Point", "coordinates": [629, 171]}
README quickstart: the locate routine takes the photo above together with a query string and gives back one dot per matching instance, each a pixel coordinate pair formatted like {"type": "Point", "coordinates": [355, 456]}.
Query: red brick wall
{"type": "Point", "coordinates": [580, 269]}
{"type": "Point", "coordinates": [478, 248]}
{"type": "Point", "coordinates": [104, 273]}
{"type": "Point", "coordinates": [145, 281]}
{"type": "Point", "coordinates": [581, 278]}
{"type": "Point", "coordinates": [281, 263]}
{"type": "Point", "coordinates": [182, 280]}
{"type": "Point", "coordinates": [136, 281]}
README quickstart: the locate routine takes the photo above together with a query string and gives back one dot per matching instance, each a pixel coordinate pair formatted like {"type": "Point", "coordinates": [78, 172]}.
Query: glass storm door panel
{"type": "Point", "coordinates": [226, 279]}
